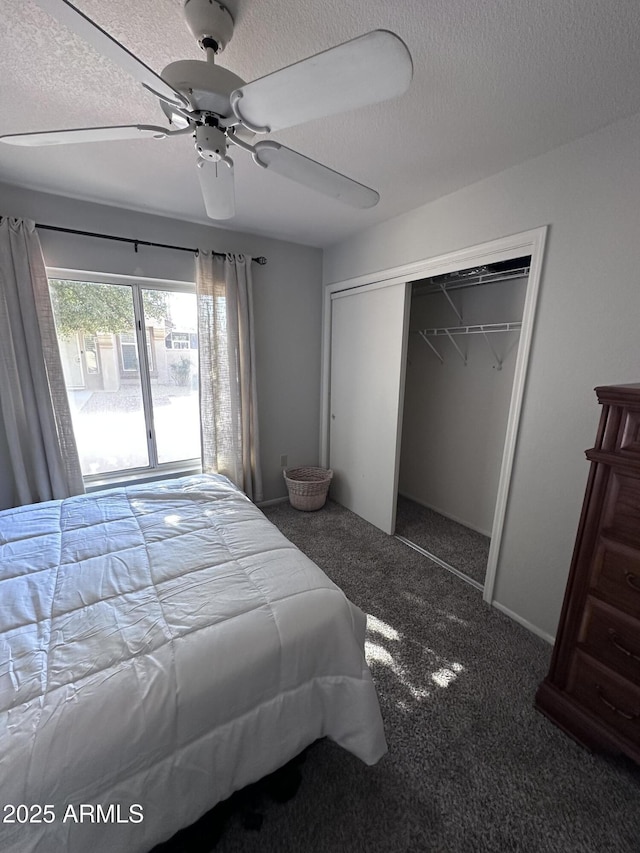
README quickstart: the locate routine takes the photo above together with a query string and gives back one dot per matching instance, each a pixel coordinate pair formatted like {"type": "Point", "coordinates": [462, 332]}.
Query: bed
{"type": "Point", "coordinates": [162, 646]}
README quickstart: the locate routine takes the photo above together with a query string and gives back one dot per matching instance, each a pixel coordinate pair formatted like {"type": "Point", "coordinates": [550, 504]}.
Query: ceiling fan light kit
{"type": "Point", "coordinates": [219, 109]}
{"type": "Point", "coordinates": [216, 185]}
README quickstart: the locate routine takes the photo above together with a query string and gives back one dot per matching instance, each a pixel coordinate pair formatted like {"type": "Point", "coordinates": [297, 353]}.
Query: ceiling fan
{"type": "Point", "coordinates": [220, 110]}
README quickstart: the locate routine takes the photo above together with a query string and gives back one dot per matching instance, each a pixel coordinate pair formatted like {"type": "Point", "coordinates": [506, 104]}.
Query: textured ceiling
{"type": "Point", "coordinates": [495, 83]}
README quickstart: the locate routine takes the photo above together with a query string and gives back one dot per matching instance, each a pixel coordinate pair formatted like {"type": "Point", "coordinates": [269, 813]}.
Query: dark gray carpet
{"type": "Point", "coordinates": [461, 547]}
{"type": "Point", "coordinates": [472, 767]}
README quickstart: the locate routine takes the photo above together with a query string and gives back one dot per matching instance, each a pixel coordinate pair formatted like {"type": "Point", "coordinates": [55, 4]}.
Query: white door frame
{"type": "Point", "coordinates": [506, 248]}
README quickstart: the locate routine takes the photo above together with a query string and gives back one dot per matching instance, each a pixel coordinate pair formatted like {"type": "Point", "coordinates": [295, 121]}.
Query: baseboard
{"type": "Point", "coordinates": [273, 502]}
{"type": "Point", "coordinates": [445, 514]}
{"type": "Point", "coordinates": [524, 622]}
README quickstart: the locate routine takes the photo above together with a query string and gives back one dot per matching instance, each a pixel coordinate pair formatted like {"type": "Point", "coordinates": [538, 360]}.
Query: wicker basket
{"type": "Point", "coordinates": [308, 487]}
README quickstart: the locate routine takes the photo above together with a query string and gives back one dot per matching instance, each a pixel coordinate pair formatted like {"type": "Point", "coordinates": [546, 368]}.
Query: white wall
{"type": "Point", "coordinates": [287, 297]}
{"type": "Point", "coordinates": [455, 415]}
{"type": "Point", "coordinates": [586, 331]}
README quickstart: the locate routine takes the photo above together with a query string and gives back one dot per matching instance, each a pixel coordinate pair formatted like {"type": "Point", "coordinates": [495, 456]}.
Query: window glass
{"type": "Point", "coordinates": [106, 406]}
{"type": "Point", "coordinates": [96, 325]}
{"type": "Point", "coordinates": [174, 385]}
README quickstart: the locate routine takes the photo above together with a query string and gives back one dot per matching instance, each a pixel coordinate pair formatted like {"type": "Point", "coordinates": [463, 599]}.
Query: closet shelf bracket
{"type": "Point", "coordinates": [483, 329]}
{"type": "Point", "coordinates": [451, 302]}
{"type": "Point", "coordinates": [498, 360]}
{"type": "Point", "coordinates": [460, 353]}
{"type": "Point", "coordinates": [430, 345]}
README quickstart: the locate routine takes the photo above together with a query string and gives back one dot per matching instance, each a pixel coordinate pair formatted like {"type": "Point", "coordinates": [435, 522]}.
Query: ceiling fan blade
{"type": "Point", "coordinates": [365, 70]}
{"type": "Point", "coordinates": [217, 186]}
{"type": "Point", "coordinates": [303, 170]}
{"type": "Point", "coordinates": [105, 44]}
{"type": "Point", "coordinates": [85, 134]}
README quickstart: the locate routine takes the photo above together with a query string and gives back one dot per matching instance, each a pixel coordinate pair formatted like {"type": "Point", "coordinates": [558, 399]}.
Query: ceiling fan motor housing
{"type": "Point", "coordinates": [207, 86]}
{"type": "Point", "coordinates": [211, 143]}
{"type": "Point", "coordinates": [209, 20]}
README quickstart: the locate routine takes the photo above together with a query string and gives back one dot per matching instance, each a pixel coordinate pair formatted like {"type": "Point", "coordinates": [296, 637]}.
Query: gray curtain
{"type": "Point", "coordinates": [42, 459]}
{"type": "Point", "coordinates": [228, 402]}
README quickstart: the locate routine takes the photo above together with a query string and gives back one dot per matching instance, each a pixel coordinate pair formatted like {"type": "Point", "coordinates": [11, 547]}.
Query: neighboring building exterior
{"type": "Point", "coordinates": [107, 362]}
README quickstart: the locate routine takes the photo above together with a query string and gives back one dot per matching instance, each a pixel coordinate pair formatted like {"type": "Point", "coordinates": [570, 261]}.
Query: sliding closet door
{"type": "Point", "coordinates": [368, 346]}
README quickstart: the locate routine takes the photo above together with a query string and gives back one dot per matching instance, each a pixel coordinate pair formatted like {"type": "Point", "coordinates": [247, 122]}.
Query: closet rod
{"type": "Point", "coordinates": [260, 260]}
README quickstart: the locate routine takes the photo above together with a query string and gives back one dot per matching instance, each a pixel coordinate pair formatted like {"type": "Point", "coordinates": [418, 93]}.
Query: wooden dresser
{"type": "Point", "coordinates": [592, 690]}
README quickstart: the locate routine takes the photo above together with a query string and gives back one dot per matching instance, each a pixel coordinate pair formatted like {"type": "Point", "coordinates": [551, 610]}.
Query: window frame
{"type": "Point", "coordinates": [155, 470]}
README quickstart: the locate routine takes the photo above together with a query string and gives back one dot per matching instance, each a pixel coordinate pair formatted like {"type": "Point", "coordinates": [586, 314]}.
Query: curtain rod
{"type": "Point", "coordinates": [261, 260]}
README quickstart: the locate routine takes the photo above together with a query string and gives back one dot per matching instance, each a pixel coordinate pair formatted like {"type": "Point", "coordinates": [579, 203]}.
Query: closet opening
{"type": "Point", "coordinates": [464, 333]}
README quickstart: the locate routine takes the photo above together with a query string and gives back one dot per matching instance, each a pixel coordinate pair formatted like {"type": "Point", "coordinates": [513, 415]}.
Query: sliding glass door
{"type": "Point", "coordinates": [130, 359]}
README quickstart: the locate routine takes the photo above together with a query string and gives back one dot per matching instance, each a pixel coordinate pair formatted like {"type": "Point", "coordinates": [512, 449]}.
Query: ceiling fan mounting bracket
{"type": "Point", "coordinates": [210, 44]}
{"type": "Point", "coordinates": [210, 23]}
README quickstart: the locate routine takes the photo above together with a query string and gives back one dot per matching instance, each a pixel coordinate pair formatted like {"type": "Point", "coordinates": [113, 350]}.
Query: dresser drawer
{"type": "Point", "coordinates": [614, 700]}
{"type": "Point", "coordinates": [621, 507]}
{"type": "Point", "coordinates": [619, 430]}
{"type": "Point", "coordinates": [592, 690]}
{"type": "Point", "coordinates": [630, 434]}
{"type": "Point", "coordinates": [615, 574]}
{"type": "Point", "coordinates": [612, 638]}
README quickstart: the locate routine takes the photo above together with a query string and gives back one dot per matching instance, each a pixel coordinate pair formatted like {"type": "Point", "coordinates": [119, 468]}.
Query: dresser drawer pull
{"type": "Point", "coordinates": [612, 707]}
{"type": "Point", "coordinates": [633, 580]}
{"type": "Point", "coordinates": [613, 637]}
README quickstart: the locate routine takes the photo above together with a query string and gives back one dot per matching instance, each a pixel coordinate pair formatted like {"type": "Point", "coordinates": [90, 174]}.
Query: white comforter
{"type": "Point", "coordinates": [160, 647]}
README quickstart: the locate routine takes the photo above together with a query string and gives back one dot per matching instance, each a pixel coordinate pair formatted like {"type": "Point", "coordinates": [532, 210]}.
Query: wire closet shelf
{"type": "Point", "coordinates": [484, 329]}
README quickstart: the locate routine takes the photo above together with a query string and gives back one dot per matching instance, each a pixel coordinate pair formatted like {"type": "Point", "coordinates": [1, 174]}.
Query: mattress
{"type": "Point", "coordinates": [162, 646]}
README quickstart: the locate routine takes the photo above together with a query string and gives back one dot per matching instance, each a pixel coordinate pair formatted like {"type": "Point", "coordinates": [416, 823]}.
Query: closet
{"type": "Point", "coordinates": [424, 369]}
{"type": "Point", "coordinates": [463, 338]}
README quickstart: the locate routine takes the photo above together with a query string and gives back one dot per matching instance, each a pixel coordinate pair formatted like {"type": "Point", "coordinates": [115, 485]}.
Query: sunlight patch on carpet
{"type": "Point", "coordinates": [444, 676]}
{"type": "Point", "coordinates": [377, 626]}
